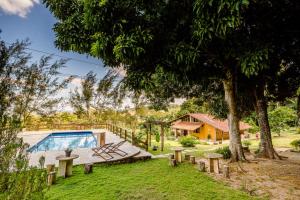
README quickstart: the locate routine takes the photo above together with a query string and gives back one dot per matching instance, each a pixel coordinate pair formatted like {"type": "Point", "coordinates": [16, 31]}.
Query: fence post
{"type": "Point", "coordinates": [125, 136]}
{"type": "Point", "coordinates": [147, 138]}
{"type": "Point", "coordinates": [132, 137]}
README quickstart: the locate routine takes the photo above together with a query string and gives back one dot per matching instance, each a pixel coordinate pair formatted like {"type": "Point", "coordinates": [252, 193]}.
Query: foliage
{"type": "Point", "coordinates": [178, 48]}
{"type": "Point", "coordinates": [17, 179]}
{"type": "Point", "coordinates": [157, 137]}
{"type": "Point", "coordinates": [153, 182]}
{"type": "Point", "coordinates": [192, 105]}
{"type": "Point", "coordinates": [296, 144]}
{"type": "Point", "coordinates": [251, 119]}
{"type": "Point", "coordinates": [225, 151]}
{"type": "Point", "coordinates": [37, 90]}
{"type": "Point", "coordinates": [246, 143]}
{"type": "Point", "coordinates": [98, 97]}
{"type": "Point", "coordinates": [188, 141]}
{"type": "Point", "coordinates": [281, 118]}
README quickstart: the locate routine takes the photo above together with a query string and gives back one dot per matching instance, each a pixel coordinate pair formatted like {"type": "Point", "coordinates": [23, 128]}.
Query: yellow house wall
{"type": "Point", "coordinates": [204, 131]}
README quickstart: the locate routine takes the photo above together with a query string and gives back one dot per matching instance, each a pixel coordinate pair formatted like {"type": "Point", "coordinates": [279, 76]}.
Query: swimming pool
{"type": "Point", "coordinates": [63, 140]}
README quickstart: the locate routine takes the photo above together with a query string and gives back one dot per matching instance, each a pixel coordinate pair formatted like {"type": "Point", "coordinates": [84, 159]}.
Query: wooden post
{"type": "Point", "coordinates": [178, 156]}
{"type": "Point", "coordinates": [192, 159]}
{"type": "Point", "coordinates": [211, 165]}
{"type": "Point", "coordinates": [102, 138]}
{"type": "Point", "coordinates": [226, 171]}
{"type": "Point", "coordinates": [201, 166]}
{"type": "Point", "coordinates": [162, 138]}
{"type": "Point", "coordinates": [51, 178]}
{"type": "Point", "coordinates": [88, 168]}
{"type": "Point", "coordinates": [147, 138]}
{"type": "Point", "coordinates": [50, 168]}
{"type": "Point", "coordinates": [216, 166]}
{"type": "Point", "coordinates": [186, 157]}
{"type": "Point", "coordinates": [125, 134]}
{"type": "Point", "coordinates": [150, 135]}
{"type": "Point", "coordinates": [132, 137]}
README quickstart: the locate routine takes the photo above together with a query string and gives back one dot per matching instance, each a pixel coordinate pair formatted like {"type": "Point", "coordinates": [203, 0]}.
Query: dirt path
{"type": "Point", "coordinates": [274, 179]}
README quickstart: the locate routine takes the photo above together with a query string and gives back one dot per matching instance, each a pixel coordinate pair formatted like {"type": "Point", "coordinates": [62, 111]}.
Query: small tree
{"type": "Point", "coordinates": [17, 179]}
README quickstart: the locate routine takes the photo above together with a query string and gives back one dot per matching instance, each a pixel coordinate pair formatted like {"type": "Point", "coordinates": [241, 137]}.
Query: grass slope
{"type": "Point", "coordinates": [152, 179]}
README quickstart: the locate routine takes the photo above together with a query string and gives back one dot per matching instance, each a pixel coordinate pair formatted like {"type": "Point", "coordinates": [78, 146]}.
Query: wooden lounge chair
{"type": "Point", "coordinates": [115, 149]}
{"type": "Point", "coordinates": [102, 151]}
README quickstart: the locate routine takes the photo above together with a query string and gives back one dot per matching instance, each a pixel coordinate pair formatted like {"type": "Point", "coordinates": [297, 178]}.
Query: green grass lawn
{"type": "Point", "coordinates": [152, 179]}
{"type": "Point", "coordinates": [284, 140]}
{"type": "Point", "coordinates": [198, 150]}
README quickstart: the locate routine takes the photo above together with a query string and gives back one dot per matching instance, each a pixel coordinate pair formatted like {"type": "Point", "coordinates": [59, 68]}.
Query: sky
{"type": "Point", "coordinates": [21, 19]}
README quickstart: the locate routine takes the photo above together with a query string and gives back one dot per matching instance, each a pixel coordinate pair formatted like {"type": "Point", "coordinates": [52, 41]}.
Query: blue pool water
{"type": "Point", "coordinates": [63, 140]}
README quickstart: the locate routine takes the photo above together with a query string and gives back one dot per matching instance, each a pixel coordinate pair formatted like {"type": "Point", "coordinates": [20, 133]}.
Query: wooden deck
{"type": "Point", "coordinates": [85, 154]}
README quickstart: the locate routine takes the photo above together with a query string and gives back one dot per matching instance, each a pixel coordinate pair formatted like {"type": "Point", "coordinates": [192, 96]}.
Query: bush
{"type": "Point", "coordinates": [282, 117]}
{"type": "Point", "coordinates": [225, 151]}
{"type": "Point", "coordinates": [246, 143]}
{"type": "Point", "coordinates": [296, 144]}
{"type": "Point", "coordinates": [188, 141]}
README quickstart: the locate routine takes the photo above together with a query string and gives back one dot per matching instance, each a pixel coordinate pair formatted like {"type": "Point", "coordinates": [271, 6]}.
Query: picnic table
{"type": "Point", "coordinates": [65, 165]}
{"type": "Point", "coordinates": [213, 162]}
{"type": "Point", "coordinates": [178, 154]}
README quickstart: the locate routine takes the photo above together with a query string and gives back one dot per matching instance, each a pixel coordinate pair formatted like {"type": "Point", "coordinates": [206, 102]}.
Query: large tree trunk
{"type": "Point", "coordinates": [235, 145]}
{"type": "Point", "coordinates": [266, 148]}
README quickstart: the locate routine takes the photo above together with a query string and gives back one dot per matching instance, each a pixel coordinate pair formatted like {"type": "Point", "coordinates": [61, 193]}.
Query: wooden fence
{"type": "Point", "coordinates": [70, 126]}
{"type": "Point", "coordinates": [128, 135]}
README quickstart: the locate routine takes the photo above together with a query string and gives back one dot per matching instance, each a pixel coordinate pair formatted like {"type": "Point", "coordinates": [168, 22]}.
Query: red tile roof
{"type": "Point", "coordinates": [217, 123]}
{"type": "Point", "coordinates": [191, 126]}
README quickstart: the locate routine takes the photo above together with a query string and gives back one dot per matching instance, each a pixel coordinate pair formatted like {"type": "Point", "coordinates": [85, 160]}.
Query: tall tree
{"type": "Point", "coordinates": [38, 90]}
{"type": "Point", "coordinates": [97, 96]}
{"type": "Point", "coordinates": [186, 41]}
{"type": "Point", "coordinates": [24, 182]}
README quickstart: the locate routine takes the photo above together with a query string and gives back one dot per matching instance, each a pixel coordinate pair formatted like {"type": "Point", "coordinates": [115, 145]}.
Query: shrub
{"type": "Point", "coordinates": [296, 144]}
{"type": "Point", "coordinates": [225, 151]}
{"type": "Point", "coordinates": [246, 143]}
{"type": "Point", "coordinates": [188, 141]}
{"type": "Point", "coordinates": [282, 117]}
{"type": "Point", "coordinates": [157, 137]}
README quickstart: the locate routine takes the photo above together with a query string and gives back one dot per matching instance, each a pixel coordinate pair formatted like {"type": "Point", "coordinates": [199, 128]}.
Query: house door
{"type": "Point", "coordinates": [185, 132]}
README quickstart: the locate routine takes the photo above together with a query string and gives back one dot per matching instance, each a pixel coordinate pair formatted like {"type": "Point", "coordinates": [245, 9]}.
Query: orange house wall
{"type": "Point", "coordinates": [215, 134]}
{"type": "Point", "coordinates": [204, 131]}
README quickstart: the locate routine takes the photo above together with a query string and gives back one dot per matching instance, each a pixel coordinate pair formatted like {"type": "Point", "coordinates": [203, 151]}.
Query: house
{"type": "Point", "coordinates": [203, 126]}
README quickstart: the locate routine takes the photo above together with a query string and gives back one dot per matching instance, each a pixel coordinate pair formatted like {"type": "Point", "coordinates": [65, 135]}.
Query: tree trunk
{"type": "Point", "coordinates": [266, 149]}
{"type": "Point", "coordinates": [162, 138]}
{"type": "Point", "coordinates": [235, 145]}
{"type": "Point", "coordinates": [298, 111]}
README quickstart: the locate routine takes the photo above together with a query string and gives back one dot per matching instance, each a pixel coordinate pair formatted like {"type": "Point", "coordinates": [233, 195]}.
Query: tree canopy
{"type": "Point", "coordinates": [185, 44]}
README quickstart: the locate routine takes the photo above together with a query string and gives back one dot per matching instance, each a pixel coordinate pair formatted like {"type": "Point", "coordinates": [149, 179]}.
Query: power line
{"type": "Point", "coordinates": [53, 54]}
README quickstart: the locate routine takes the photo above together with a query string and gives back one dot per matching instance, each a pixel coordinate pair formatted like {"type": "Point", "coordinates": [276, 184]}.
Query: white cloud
{"type": "Point", "coordinates": [17, 7]}
{"type": "Point", "coordinates": [76, 81]}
